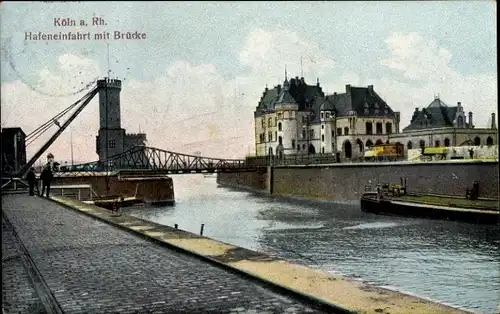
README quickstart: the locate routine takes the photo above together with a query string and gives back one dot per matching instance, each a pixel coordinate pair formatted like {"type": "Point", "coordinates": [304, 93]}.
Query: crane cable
{"type": "Point", "coordinates": [57, 116]}
{"type": "Point", "coordinates": [47, 125]}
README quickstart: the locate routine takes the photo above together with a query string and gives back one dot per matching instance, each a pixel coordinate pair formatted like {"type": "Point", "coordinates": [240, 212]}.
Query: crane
{"type": "Point", "coordinates": [82, 102]}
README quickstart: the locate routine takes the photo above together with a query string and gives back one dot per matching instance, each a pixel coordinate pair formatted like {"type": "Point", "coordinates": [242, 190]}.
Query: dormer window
{"type": "Point", "coordinates": [322, 114]}
{"type": "Point", "coordinates": [328, 115]}
{"type": "Point", "coordinates": [376, 105]}
{"type": "Point", "coordinates": [366, 105]}
{"type": "Point", "coordinates": [377, 111]}
{"type": "Point", "coordinates": [367, 111]}
{"type": "Point", "coordinates": [386, 111]}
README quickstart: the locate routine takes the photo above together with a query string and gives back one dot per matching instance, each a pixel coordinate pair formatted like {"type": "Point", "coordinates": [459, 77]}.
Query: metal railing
{"type": "Point", "coordinates": [285, 160]}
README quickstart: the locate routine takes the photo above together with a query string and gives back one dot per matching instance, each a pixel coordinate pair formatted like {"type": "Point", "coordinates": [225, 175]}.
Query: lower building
{"type": "Point", "coordinates": [441, 125]}
{"type": "Point", "coordinates": [13, 150]}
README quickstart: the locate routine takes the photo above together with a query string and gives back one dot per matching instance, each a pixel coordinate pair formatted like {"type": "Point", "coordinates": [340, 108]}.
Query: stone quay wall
{"type": "Point", "coordinates": [346, 182]}
{"type": "Point", "coordinates": [150, 190]}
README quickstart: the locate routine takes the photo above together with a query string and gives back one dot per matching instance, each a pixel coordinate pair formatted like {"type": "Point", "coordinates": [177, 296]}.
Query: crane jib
{"type": "Point", "coordinates": [86, 99]}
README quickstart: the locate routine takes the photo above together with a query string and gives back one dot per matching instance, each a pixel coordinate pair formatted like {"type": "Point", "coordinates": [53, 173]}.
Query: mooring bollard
{"type": "Point", "coordinates": [201, 230]}
{"type": "Point", "coordinates": [176, 226]}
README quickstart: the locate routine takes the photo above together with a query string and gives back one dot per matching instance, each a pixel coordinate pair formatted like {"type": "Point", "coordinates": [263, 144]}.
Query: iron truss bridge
{"type": "Point", "coordinates": [150, 160]}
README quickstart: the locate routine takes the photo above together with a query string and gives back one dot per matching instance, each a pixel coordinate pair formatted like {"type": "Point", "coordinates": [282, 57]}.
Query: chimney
{"type": "Point", "coordinates": [493, 122]}
{"type": "Point", "coordinates": [470, 120]}
{"type": "Point", "coordinates": [266, 88]}
{"type": "Point", "coordinates": [348, 88]}
{"type": "Point", "coordinates": [416, 109]}
{"type": "Point", "coordinates": [317, 82]}
{"type": "Point", "coordinates": [370, 87]}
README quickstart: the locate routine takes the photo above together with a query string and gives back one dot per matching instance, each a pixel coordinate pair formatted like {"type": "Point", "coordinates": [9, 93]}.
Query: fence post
{"type": "Point", "coordinates": [201, 229]}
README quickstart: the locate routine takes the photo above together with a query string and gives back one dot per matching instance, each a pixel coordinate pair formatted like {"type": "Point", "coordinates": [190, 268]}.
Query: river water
{"type": "Point", "coordinates": [456, 263]}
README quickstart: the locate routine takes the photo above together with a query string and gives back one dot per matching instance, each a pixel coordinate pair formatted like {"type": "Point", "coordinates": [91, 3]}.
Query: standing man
{"type": "Point", "coordinates": [46, 177]}
{"type": "Point", "coordinates": [31, 178]}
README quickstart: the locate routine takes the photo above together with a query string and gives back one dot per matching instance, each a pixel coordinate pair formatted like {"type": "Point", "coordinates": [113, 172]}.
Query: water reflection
{"type": "Point", "coordinates": [455, 262]}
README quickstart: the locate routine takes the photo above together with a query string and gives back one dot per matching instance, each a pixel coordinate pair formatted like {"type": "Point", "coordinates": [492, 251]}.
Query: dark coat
{"type": "Point", "coordinates": [46, 175]}
{"type": "Point", "coordinates": [31, 177]}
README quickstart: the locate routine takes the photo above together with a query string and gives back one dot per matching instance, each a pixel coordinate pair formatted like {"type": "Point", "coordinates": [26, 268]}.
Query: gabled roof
{"type": "Point", "coordinates": [297, 92]}
{"type": "Point", "coordinates": [285, 98]}
{"type": "Point", "coordinates": [327, 105]}
{"type": "Point", "coordinates": [436, 115]}
{"type": "Point", "coordinates": [363, 101]}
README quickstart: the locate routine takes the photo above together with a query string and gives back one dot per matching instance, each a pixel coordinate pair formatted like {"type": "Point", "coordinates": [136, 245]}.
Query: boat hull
{"type": "Point", "coordinates": [370, 204]}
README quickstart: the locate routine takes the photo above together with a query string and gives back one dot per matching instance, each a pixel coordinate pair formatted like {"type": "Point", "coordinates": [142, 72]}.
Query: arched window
{"type": "Point", "coordinates": [279, 126]}
{"type": "Point", "coordinates": [369, 128]}
{"type": "Point", "coordinates": [477, 141]}
{"type": "Point", "coordinates": [489, 141]}
{"type": "Point", "coordinates": [447, 142]}
{"type": "Point", "coordinates": [369, 144]}
{"type": "Point", "coordinates": [422, 144]}
{"type": "Point", "coordinates": [388, 128]}
{"type": "Point", "coordinates": [280, 140]}
{"type": "Point", "coordinates": [347, 149]}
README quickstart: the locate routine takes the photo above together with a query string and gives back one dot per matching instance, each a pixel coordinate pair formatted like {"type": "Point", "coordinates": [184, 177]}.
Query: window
{"type": "Point", "coordinates": [328, 115]}
{"type": "Point", "coordinates": [339, 131]}
{"type": "Point", "coordinates": [112, 143]}
{"type": "Point", "coordinates": [379, 128]}
{"type": "Point", "coordinates": [369, 128]}
{"type": "Point", "coordinates": [437, 143]}
{"type": "Point", "coordinates": [280, 115]}
{"type": "Point", "coordinates": [322, 126]}
{"type": "Point", "coordinates": [270, 122]}
{"type": "Point", "coordinates": [275, 121]}
{"type": "Point", "coordinates": [303, 119]}
{"type": "Point", "coordinates": [333, 134]}
{"type": "Point", "coordinates": [311, 134]}
{"type": "Point", "coordinates": [388, 128]}
{"type": "Point", "coordinates": [422, 143]}
{"type": "Point", "coordinates": [323, 150]}
{"type": "Point", "coordinates": [270, 136]}
{"type": "Point", "coordinates": [410, 145]}
{"type": "Point", "coordinates": [322, 115]}
{"type": "Point", "coordinates": [293, 144]}
{"type": "Point", "coordinates": [322, 137]}
{"type": "Point", "coordinates": [275, 134]}
{"type": "Point", "coordinates": [280, 140]}
{"type": "Point", "coordinates": [304, 133]}
{"type": "Point", "coordinates": [263, 122]}
{"type": "Point", "coordinates": [447, 142]}
{"type": "Point", "coordinates": [346, 131]}
{"type": "Point", "coordinates": [279, 126]}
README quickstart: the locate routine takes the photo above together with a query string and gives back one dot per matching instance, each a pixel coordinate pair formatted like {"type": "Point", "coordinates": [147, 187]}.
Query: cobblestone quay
{"type": "Point", "coordinates": [91, 267]}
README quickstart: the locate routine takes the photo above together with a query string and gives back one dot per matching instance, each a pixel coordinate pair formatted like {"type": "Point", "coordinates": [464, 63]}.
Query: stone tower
{"type": "Point", "coordinates": [111, 136]}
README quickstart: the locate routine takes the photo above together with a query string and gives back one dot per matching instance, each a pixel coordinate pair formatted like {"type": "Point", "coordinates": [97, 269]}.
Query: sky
{"type": "Point", "coordinates": [193, 83]}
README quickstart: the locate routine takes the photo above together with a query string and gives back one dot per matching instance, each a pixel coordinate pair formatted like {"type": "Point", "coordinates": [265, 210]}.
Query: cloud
{"type": "Point", "coordinates": [193, 107]}
{"type": "Point", "coordinates": [422, 69]}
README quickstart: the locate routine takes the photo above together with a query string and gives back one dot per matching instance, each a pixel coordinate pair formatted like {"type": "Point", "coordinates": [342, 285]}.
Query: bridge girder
{"type": "Point", "coordinates": [155, 160]}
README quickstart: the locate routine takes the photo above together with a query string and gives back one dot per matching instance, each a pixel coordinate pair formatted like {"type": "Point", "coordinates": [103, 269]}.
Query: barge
{"type": "Point", "coordinates": [443, 207]}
